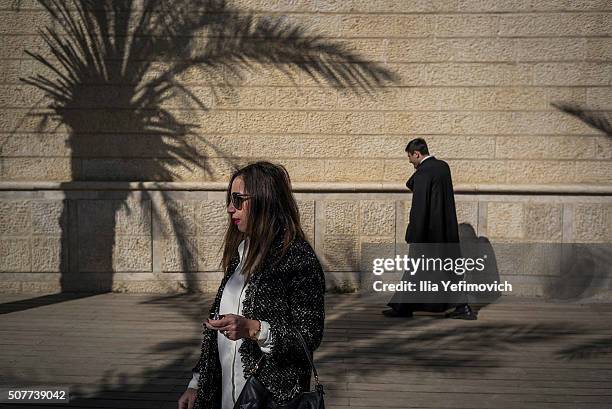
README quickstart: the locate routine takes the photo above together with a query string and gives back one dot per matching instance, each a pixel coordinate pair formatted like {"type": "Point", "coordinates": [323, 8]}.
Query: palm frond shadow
{"type": "Point", "coordinates": [426, 342]}
{"type": "Point", "coordinates": [591, 349]}
{"type": "Point", "coordinates": [592, 118]}
{"type": "Point", "coordinates": [119, 77]}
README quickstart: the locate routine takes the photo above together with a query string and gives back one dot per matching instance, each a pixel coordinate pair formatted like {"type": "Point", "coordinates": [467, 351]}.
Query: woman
{"type": "Point", "coordinates": [273, 284]}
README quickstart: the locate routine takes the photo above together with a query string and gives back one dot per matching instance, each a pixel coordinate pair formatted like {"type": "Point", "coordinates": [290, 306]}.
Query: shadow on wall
{"type": "Point", "coordinates": [473, 246]}
{"type": "Point", "coordinates": [117, 64]}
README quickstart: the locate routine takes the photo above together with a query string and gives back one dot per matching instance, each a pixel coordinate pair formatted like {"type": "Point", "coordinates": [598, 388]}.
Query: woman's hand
{"type": "Point", "coordinates": [187, 399]}
{"type": "Point", "coordinates": [234, 326]}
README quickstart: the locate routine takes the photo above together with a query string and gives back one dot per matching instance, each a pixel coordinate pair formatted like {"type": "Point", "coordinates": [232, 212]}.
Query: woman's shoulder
{"type": "Point", "coordinates": [298, 255]}
{"type": "Point", "coordinates": [300, 247]}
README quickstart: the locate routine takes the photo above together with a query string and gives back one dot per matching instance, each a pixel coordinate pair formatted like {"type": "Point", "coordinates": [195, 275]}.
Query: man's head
{"type": "Point", "coordinates": [417, 151]}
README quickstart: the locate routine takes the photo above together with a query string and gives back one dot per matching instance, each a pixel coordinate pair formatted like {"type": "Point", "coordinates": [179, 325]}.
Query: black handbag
{"type": "Point", "coordinates": [254, 395]}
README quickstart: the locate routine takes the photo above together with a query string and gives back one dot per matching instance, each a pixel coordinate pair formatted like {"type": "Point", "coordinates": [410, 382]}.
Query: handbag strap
{"type": "Point", "coordinates": [308, 356]}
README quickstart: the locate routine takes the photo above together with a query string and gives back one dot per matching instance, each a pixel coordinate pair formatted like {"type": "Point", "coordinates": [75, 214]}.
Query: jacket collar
{"type": "Point", "coordinates": [422, 165]}
{"type": "Point", "coordinates": [427, 160]}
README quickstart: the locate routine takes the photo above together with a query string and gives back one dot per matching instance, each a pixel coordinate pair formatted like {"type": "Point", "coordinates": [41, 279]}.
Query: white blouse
{"type": "Point", "coordinates": [232, 371]}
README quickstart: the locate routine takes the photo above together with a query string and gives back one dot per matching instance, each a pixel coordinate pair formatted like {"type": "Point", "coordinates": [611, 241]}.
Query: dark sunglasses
{"type": "Point", "coordinates": [238, 199]}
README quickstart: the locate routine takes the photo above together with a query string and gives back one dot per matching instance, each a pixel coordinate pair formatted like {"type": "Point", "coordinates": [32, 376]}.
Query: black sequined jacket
{"type": "Point", "coordinates": [287, 292]}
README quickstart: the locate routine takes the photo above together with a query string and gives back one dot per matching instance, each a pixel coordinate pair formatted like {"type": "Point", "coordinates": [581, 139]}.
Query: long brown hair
{"type": "Point", "coordinates": [272, 211]}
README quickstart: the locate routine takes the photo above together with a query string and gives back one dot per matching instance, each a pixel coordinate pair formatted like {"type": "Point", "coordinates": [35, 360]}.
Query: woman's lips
{"type": "Point", "coordinates": [236, 221]}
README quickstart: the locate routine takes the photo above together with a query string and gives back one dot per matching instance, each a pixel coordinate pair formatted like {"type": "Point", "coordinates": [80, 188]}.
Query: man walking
{"type": "Point", "coordinates": [433, 219]}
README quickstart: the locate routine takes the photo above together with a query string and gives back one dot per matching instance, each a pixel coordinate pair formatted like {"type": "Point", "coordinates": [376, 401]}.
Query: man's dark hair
{"type": "Point", "coordinates": [417, 144]}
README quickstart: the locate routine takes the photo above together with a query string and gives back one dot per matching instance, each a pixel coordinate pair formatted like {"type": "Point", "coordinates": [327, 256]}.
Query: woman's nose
{"type": "Point", "coordinates": [231, 208]}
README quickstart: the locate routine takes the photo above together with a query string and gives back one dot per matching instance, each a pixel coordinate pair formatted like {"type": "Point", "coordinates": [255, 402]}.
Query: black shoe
{"type": "Point", "coordinates": [394, 314]}
{"type": "Point", "coordinates": [462, 313]}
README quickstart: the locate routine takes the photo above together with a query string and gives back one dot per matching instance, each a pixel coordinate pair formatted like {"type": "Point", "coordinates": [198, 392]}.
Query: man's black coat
{"type": "Point", "coordinates": [433, 217]}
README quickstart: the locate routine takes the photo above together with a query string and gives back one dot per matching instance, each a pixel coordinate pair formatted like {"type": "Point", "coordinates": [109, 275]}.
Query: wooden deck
{"type": "Point", "coordinates": [136, 351]}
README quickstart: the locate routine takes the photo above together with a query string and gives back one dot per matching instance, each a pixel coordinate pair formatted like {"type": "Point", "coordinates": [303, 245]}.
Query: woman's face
{"type": "Point", "coordinates": [239, 217]}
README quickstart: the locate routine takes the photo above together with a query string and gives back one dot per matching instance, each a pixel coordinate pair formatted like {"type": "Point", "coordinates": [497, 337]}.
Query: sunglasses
{"type": "Point", "coordinates": [238, 199]}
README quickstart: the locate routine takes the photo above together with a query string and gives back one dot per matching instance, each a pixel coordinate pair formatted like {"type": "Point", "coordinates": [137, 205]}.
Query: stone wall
{"type": "Point", "coordinates": [475, 78]}
{"type": "Point", "coordinates": [169, 241]}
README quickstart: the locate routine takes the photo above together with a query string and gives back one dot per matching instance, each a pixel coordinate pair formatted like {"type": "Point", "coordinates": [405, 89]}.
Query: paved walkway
{"type": "Point", "coordinates": [136, 351]}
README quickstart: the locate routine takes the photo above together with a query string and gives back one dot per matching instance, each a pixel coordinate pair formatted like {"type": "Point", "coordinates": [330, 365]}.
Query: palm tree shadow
{"type": "Point", "coordinates": [118, 87]}
{"type": "Point", "coordinates": [592, 118]}
{"type": "Point", "coordinates": [426, 343]}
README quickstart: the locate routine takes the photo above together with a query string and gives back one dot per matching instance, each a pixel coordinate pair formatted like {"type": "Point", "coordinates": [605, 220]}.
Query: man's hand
{"type": "Point", "coordinates": [234, 326]}
{"type": "Point", "coordinates": [187, 399]}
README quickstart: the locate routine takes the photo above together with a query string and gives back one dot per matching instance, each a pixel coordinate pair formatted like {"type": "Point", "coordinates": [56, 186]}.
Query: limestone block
{"type": "Point", "coordinates": [180, 254]}
{"type": "Point", "coordinates": [599, 49]}
{"type": "Point", "coordinates": [340, 253]}
{"type": "Point", "coordinates": [96, 217]}
{"type": "Point", "coordinates": [534, 123]}
{"type": "Point", "coordinates": [15, 217]}
{"type": "Point", "coordinates": [466, 25]}
{"type": "Point", "coordinates": [592, 222]}
{"type": "Point", "coordinates": [388, 6]}
{"type": "Point", "coordinates": [47, 254]}
{"type": "Point", "coordinates": [560, 74]}
{"type": "Point", "coordinates": [23, 22]}
{"type": "Point", "coordinates": [397, 170]}
{"type": "Point", "coordinates": [593, 172]}
{"type": "Point", "coordinates": [355, 26]}
{"type": "Point", "coordinates": [341, 217]}
{"type": "Point", "coordinates": [132, 253]}
{"type": "Point", "coordinates": [603, 148]}
{"type": "Point", "coordinates": [208, 120]}
{"type": "Point", "coordinates": [40, 287]}
{"type": "Point", "coordinates": [344, 170]}
{"type": "Point", "coordinates": [345, 122]}
{"type": "Point", "coordinates": [365, 49]}
{"type": "Point", "coordinates": [479, 74]}
{"type": "Point", "coordinates": [178, 218]}
{"type": "Point", "coordinates": [263, 75]}
{"type": "Point", "coordinates": [545, 147]}
{"type": "Point", "coordinates": [31, 169]}
{"type": "Point", "coordinates": [423, 99]}
{"type": "Point", "coordinates": [15, 254]}
{"type": "Point", "coordinates": [372, 248]}
{"type": "Point", "coordinates": [272, 121]}
{"type": "Point", "coordinates": [377, 217]}
{"type": "Point", "coordinates": [304, 170]}
{"type": "Point", "coordinates": [134, 218]}
{"type": "Point", "coordinates": [478, 171]}
{"type": "Point", "coordinates": [541, 171]}
{"type": "Point", "coordinates": [22, 96]}
{"type": "Point", "coordinates": [412, 74]}
{"type": "Point", "coordinates": [461, 147]}
{"type": "Point", "coordinates": [550, 49]}
{"type": "Point", "coordinates": [244, 97]}
{"type": "Point", "coordinates": [555, 25]}
{"type": "Point", "coordinates": [467, 212]}
{"type": "Point", "coordinates": [27, 145]}
{"type": "Point", "coordinates": [418, 122]}
{"type": "Point", "coordinates": [209, 252]}
{"type": "Point", "coordinates": [383, 98]}
{"type": "Point", "coordinates": [211, 218]}
{"type": "Point", "coordinates": [505, 220]}
{"type": "Point", "coordinates": [483, 6]}
{"type": "Point", "coordinates": [382, 146]}
{"type": "Point", "coordinates": [512, 98]}
{"type": "Point", "coordinates": [543, 222]}
{"type": "Point", "coordinates": [418, 50]}
{"type": "Point", "coordinates": [10, 287]}
{"type": "Point", "coordinates": [307, 218]}
{"type": "Point", "coordinates": [599, 98]}
{"type": "Point", "coordinates": [95, 253]}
